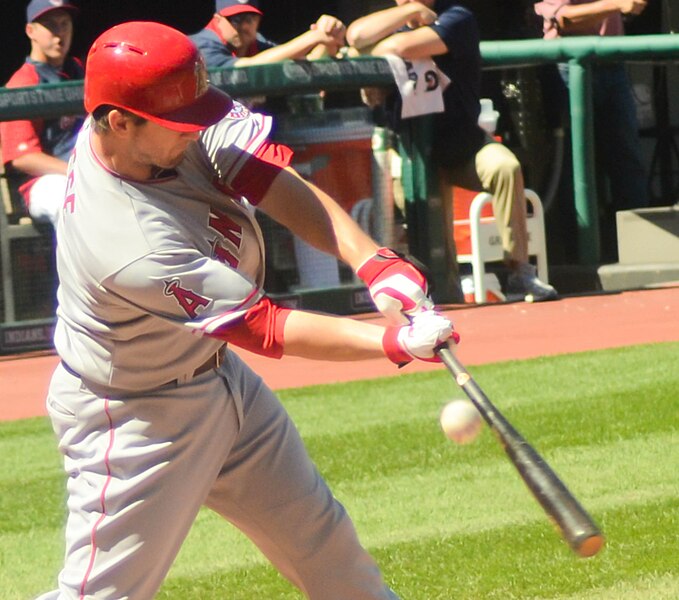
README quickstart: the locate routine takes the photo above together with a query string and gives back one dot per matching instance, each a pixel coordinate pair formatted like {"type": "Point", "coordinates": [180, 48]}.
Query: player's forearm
{"type": "Point", "coordinates": [325, 337]}
{"type": "Point", "coordinates": [368, 30]}
{"type": "Point", "coordinates": [315, 217]}
{"type": "Point", "coordinates": [348, 241]}
{"type": "Point", "coordinates": [39, 163]}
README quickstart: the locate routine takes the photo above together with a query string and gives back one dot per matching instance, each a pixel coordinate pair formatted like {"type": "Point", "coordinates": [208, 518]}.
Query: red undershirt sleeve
{"type": "Point", "coordinates": [256, 176]}
{"type": "Point", "coordinates": [260, 330]}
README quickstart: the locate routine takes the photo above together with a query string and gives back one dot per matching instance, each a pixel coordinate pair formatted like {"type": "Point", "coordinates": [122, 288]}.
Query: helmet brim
{"type": "Point", "coordinates": [207, 110]}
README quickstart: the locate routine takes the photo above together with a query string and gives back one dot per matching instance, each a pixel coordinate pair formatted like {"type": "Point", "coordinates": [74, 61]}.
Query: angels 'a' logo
{"type": "Point", "coordinates": [189, 300]}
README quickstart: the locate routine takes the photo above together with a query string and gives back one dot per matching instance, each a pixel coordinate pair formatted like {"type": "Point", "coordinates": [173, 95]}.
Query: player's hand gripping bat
{"type": "Point", "coordinates": [571, 519]}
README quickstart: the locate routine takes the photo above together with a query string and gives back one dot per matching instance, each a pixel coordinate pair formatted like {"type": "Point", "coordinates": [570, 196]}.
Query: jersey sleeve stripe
{"type": "Point", "coordinates": [259, 136]}
{"type": "Point", "coordinates": [211, 324]}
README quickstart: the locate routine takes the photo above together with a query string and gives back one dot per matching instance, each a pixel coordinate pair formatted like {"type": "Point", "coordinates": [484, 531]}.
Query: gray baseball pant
{"type": "Point", "coordinates": [141, 466]}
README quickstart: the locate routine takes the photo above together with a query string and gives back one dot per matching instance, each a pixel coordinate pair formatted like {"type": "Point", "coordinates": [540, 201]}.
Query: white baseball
{"type": "Point", "coordinates": [460, 421]}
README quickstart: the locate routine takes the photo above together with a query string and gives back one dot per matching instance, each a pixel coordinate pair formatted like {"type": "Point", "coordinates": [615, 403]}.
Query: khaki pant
{"type": "Point", "coordinates": [496, 170]}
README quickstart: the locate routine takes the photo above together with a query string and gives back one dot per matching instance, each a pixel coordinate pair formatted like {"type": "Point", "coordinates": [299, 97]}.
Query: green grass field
{"type": "Point", "coordinates": [443, 521]}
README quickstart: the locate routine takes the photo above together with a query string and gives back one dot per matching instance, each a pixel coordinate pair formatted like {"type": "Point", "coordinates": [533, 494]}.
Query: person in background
{"type": "Point", "coordinates": [36, 151]}
{"type": "Point", "coordinates": [615, 122]}
{"type": "Point", "coordinates": [466, 155]}
{"type": "Point", "coordinates": [232, 38]}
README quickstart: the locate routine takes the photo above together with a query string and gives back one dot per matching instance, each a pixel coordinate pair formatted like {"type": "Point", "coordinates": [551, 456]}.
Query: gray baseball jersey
{"type": "Point", "coordinates": [165, 254]}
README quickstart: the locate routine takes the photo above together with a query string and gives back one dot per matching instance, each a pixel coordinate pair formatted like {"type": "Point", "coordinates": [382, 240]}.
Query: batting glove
{"type": "Point", "coordinates": [398, 288]}
{"type": "Point", "coordinates": [419, 340]}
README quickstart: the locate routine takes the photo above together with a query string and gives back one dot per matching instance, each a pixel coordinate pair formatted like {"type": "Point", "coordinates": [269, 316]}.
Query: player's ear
{"type": "Point", "coordinates": [119, 121]}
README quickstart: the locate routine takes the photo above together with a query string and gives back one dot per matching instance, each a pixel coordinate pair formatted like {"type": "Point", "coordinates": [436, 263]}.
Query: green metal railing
{"type": "Point", "coordinates": [279, 79]}
{"type": "Point", "coordinates": [293, 77]}
{"type": "Point", "coordinates": [580, 53]}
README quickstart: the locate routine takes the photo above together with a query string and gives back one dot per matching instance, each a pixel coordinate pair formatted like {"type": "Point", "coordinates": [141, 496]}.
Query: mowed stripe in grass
{"type": "Point", "coordinates": [513, 563]}
{"type": "Point", "coordinates": [443, 521]}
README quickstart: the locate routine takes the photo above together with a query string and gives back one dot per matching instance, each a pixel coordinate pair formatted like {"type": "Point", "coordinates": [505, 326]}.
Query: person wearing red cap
{"type": "Point", "coordinates": [161, 266]}
{"type": "Point", "coordinates": [35, 152]}
{"type": "Point", "coordinates": [232, 38]}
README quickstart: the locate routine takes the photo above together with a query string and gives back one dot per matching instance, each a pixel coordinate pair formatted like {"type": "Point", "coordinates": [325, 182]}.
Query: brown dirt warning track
{"type": "Point", "coordinates": [490, 333]}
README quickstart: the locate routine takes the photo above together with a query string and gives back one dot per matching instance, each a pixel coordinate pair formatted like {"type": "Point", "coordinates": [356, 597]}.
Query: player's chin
{"type": "Point", "coordinates": [172, 162]}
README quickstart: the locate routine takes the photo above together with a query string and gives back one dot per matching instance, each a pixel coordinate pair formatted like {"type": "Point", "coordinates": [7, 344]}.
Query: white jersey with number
{"type": "Point", "coordinates": [146, 267]}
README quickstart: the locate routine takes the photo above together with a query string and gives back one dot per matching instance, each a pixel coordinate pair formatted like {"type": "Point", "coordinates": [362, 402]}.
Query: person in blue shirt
{"type": "Point", "coordinates": [232, 38]}
{"type": "Point", "coordinates": [466, 155]}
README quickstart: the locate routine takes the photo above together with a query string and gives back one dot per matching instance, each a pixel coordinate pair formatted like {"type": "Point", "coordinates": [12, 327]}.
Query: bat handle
{"type": "Point", "coordinates": [467, 384]}
{"type": "Point", "coordinates": [448, 358]}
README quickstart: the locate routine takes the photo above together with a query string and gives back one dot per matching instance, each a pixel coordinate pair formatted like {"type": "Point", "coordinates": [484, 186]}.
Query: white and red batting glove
{"type": "Point", "coordinates": [418, 340]}
{"type": "Point", "coordinates": [398, 288]}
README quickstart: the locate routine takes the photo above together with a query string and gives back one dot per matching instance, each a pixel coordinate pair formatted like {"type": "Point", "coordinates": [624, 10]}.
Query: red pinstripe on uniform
{"type": "Point", "coordinates": [93, 535]}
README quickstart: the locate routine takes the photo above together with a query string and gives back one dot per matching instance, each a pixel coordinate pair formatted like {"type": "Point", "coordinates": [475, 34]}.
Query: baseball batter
{"type": "Point", "coordinates": [161, 265]}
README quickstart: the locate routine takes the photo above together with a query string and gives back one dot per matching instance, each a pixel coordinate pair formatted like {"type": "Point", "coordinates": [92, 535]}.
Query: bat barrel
{"type": "Point", "coordinates": [571, 519]}
{"type": "Point", "coordinates": [576, 526]}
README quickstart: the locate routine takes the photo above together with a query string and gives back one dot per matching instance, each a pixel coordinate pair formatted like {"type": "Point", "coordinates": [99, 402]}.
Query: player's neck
{"type": "Point", "coordinates": [118, 161]}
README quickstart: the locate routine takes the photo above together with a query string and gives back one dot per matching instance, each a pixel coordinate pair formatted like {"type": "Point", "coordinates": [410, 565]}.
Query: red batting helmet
{"type": "Point", "coordinates": [156, 72]}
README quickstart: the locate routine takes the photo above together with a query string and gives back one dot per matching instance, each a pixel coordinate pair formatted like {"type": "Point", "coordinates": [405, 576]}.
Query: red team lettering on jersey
{"type": "Point", "coordinates": [222, 254]}
{"type": "Point", "coordinates": [189, 300]}
{"type": "Point", "coordinates": [229, 230]}
{"type": "Point", "coordinates": [69, 199]}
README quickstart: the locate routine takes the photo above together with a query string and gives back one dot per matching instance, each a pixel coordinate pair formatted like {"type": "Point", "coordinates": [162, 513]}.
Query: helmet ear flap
{"type": "Point", "coordinates": [154, 71]}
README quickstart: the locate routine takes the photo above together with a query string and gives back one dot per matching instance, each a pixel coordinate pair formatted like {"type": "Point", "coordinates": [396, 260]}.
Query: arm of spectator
{"type": "Point", "coordinates": [418, 43]}
{"type": "Point", "coordinates": [370, 29]}
{"type": "Point", "coordinates": [571, 18]}
{"type": "Point", "coordinates": [374, 96]}
{"type": "Point", "coordinates": [218, 56]}
{"type": "Point", "coordinates": [39, 163]}
{"type": "Point", "coordinates": [335, 30]}
{"type": "Point", "coordinates": [327, 32]}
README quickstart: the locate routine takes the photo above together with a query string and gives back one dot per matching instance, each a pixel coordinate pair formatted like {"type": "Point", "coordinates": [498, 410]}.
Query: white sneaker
{"type": "Point", "coordinates": [524, 284]}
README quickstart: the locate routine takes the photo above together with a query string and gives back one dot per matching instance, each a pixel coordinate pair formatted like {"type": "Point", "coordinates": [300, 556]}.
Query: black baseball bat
{"type": "Point", "coordinates": [576, 527]}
